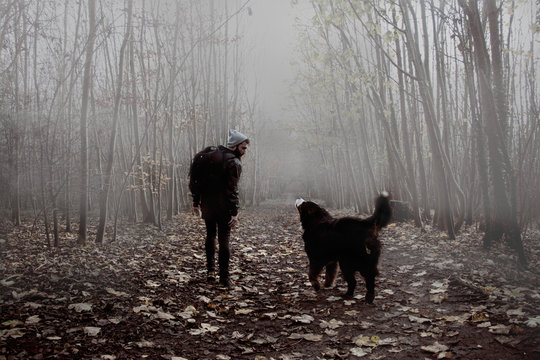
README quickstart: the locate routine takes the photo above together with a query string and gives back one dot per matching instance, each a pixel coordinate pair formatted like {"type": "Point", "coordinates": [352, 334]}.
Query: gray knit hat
{"type": "Point", "coordinates": [235, 138]}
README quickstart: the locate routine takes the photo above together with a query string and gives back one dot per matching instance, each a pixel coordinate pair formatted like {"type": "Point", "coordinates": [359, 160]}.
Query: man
{"type": "Point", "coordinates": [219, 205]}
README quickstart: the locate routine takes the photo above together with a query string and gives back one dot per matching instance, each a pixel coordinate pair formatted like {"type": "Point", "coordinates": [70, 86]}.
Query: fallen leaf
{"type": "Point", "coordinates": [360, 352]}
{"type": "Point", "coordinates": [205, 327]}
{"type": "Point", "coordinates": [417, 319]}
{"type": "Point", "coordinates": [145, 344]}
{"type": "Point", "coordinates": [31, 320]}
{"type": "Point", "coordinates": [265, 340]}
{"type": "Point", "coordinates": [309, 337]}
{"type": "Point", "coordinates": [116, 293]}
{"type": "Point", "coordinates": [269, 316]}
{"type": "Point", "coordinates": [533, 322]}
{"type": "Point", "coordinates": [12, 323]}
{"type": "Point", "coordinates": [362, 340]}
{"type": "Point", "coordinates": [7, 283]}
{"type": "Point", "coordinates": [12, 333]}
{"type": "Point", "coordinates": [313, 337]}
{"type": "Point", "coordinates": [388, 341]}
{"type": "Point", "coordinates": [515, 312]}
{"type": "Point", "coordinates": [243, 311]}
{"type": "Point", "coordinates": [164, 316]}
{"type": "Point", "coordinates": [152, 284]}
{"type": "Point", "coordinates": [332, 324]}
{"type": "Point", "coordinates": [304, 319]}
{"type": "Point", "coordinates": [91, 330]}
{"type": "Point", "coordinates": [188, 312]}
{"type": "Point", "coordinates": [33, 305]}
{"type": "Point", "coordinates": [435, 348]}
{"type": "Point", "coordinates": [80, 307]}
{"type": "Point", "coordinates": [480, 317]}
{"type": "Point", "coordinates": [499, 329]}
{"type": "Point", "coordinates": [438, 298]}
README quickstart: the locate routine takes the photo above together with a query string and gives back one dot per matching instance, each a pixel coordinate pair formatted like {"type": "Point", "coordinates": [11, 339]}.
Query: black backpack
{"type": "Point", "coordinates": [206, 170]}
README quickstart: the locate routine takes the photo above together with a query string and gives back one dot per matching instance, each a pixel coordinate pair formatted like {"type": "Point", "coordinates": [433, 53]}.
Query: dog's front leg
{"type": "Point", "coordinates": [351, 284]}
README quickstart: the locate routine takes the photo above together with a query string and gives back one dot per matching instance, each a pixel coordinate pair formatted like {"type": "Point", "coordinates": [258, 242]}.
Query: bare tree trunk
{"type": "Point", "coordinates": [504, 220]}
{"type": "Point", "coordinates": [83, 207]}
{"type": "Point", "coordinates": [139, 177]}
{"type": "Point", "coordinates": [173, 70]}
{"type": "Point", "coordinates": [442, 173]}
{"type": "Point", "coordinates": [104, 194]}
{"type": "Point", "coordinates": [150, 214]}
{"type": "Point", "coordinates": [406, 140]}
{"type": "Point", "coordinates": [14, 156]}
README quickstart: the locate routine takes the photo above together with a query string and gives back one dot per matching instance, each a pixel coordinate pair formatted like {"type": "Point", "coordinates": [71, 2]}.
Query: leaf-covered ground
{"type": "Point", "coordinates": [146, 296]}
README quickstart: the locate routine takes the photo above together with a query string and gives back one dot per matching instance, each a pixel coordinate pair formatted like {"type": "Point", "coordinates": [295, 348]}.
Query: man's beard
{"type": "Point", "coordinates": [237, 153]}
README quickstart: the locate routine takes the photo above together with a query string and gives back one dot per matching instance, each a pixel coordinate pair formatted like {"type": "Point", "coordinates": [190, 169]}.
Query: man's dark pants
{"type": "Point", "coordinates": [223, 234]}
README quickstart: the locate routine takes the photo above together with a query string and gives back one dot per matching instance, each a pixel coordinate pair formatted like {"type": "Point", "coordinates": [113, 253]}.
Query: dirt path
{"type": "Point", "coordinates": [147, 296]}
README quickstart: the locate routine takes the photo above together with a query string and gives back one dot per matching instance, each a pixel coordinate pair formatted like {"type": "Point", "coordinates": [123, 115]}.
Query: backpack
{"type": "Point", "coordinates": [206, 170]}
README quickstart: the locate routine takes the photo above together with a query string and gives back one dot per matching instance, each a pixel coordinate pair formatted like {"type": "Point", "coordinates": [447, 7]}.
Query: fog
{"type": "Point", "coordinates": [341, 100]}
{"type": "Point", "coordinates": [271, 41]}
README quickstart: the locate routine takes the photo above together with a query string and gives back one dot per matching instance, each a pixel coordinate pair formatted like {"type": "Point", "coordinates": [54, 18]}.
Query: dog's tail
{"type": "Point", "coordinates": [383, 211]}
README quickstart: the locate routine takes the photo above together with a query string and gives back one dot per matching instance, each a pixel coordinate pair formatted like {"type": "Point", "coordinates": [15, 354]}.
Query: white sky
{"type": "Point", "coordinates": [272, 37]}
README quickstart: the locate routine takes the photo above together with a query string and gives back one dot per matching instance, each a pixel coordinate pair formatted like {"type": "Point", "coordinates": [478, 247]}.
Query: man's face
{"type": "Point", "coordinates": [241, 149]}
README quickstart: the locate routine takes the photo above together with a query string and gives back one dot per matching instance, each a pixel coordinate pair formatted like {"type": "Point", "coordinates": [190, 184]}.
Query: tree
{"type": "Point", "coordinates": [502, 220]}
{"type": "Point", "coordinates": [83, 200]}
{"type": "Point", "coordinates": [104, 195]}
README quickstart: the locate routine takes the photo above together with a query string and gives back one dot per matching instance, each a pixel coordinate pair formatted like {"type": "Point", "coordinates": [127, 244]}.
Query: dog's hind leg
{"type": "Point", "coordinates": [370, 286]}
{"type": "Point", "coordinates": [314, 271]}
{"type": "Point", "coordinates": [331, 272]}
{"type": "Point", "coordinates": [348, 274]}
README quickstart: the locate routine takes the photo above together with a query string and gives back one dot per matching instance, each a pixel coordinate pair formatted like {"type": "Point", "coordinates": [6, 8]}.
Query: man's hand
{"type": "Point", "coordinates": [196, 211]}
{"type": "Point", "coordinates": [233, 222]}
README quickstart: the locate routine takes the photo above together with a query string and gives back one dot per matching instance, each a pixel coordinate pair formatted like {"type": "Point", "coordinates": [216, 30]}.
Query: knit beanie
{"type": "Point", "coordinates": [235, 138]}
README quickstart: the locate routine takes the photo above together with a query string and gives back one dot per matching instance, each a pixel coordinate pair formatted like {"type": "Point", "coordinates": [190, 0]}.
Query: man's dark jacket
{"type": "Point", "coordinates": [220, 201]}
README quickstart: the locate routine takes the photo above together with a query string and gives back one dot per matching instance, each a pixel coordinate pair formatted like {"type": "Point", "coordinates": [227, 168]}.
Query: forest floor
{"type": "Point", "coordinates": [146, 296]}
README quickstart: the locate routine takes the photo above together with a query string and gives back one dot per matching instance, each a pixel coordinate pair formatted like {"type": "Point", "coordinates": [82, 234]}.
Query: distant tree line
{"type": "Point", "coordinates": [436, 101]}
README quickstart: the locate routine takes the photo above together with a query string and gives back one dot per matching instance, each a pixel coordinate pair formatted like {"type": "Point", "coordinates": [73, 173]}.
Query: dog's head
{"type": "Point", "coordinates": [311, 213]}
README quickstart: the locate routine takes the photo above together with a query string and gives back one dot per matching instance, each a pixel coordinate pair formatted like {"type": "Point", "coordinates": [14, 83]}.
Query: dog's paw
{"type": "Point", "coordinates": [370, 297]}
{"type": "Point", "coordinates": [316, 285]}
{"type": "Point", "coordinates": [328, 284]}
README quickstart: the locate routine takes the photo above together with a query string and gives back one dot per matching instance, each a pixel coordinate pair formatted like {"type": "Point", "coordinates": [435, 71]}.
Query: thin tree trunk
{"type": "Point", "coordinates": [83, 204]}
{"type": "Point", "coordinates": [138, 172]}
{"type": "Point", "coordinates": [406, 140]}
{"type": "Point", "coordinates": [173, 70]}
{"type": "Point", "coordinates": [104, 195]}
{"type": "Point", "coordinates": [429, 116]}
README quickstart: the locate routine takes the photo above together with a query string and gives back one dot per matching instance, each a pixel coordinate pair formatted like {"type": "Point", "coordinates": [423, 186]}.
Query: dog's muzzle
{"type": "Point", "coordinates": [299, 202]}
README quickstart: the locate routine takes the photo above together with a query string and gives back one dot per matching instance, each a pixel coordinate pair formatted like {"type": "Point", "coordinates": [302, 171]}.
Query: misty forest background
{"type": "Point", "coordinates": [104, 103]}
